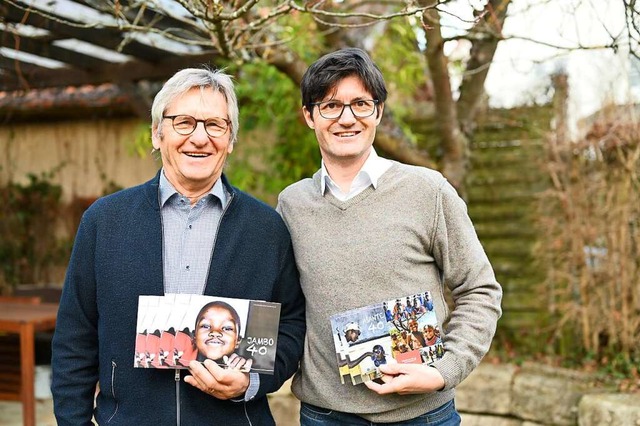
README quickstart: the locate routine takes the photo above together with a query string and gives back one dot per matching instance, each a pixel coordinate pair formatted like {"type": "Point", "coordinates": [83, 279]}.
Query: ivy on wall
{"type": "Point", "coordinates": [38, 229]}
{"type": "Point", "coordinates": [29, 217]}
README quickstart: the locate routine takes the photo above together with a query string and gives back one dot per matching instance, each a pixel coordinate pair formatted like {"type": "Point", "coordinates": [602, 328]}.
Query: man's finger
{"type": "Point", "coordinates": [247, 365]}
{"type": "Point", "coordinates": [393, 369]}
{"type": "Point", "coordinates": [237, 362]}
{"type": "Point", "coordinates": [198, 377]}
{"type": "Point", "coordinates": [214, 369]}
{"type": "Point", "coordinates": [380, 389]}
{"type": "Point", "coordinates": [243, 364]}
{"type": "Point", "coordinates": [385, 378]}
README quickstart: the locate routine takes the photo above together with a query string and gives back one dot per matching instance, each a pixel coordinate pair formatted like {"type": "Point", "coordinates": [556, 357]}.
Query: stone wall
{"type": "Point", "coordinates": [506, 395]}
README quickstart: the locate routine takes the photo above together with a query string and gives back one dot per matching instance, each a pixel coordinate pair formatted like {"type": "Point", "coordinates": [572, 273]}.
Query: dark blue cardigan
{"type": "Point", "coordinates": [117, 256]}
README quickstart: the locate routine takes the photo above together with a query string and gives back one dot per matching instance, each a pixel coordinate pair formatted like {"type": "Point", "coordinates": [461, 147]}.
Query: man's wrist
{"type": "Point", "coordinates": [441, 376]}
{"type": "Point", "coordinates": [252, 389]}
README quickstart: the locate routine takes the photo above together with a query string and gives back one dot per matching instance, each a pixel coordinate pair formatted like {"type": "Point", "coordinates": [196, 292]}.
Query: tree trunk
{"type": "Point", "coordinates": [454, 143]}
{"type": "Point", "coordinates": [483, 50]}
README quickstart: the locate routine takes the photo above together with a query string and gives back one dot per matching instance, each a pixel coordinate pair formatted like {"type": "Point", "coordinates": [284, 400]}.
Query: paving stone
{"type": "Point", "coordinates": [487, 390]}
{"type": "Point", "coordinates": [11, 413]}
{"type": "Point", "coordinates": [609, 410]}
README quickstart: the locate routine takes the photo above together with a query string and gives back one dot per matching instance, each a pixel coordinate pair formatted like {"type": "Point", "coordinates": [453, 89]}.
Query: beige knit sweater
{"type": "Point", "coordinates": [411, 234]}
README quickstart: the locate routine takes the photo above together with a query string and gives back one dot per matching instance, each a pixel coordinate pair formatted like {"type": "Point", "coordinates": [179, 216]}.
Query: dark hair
{"type": "Point", "coordinates": [223, 305]}
{"type": "Point", "coordinates": [325, 74]}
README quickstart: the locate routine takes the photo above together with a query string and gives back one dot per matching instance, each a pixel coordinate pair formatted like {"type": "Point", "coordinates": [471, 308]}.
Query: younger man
{"type": "Point", "coordinates": [371, 229]}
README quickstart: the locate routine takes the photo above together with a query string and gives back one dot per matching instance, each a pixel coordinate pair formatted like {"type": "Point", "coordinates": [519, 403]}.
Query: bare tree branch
{"type": "Point", "coordinates": [245, 30]}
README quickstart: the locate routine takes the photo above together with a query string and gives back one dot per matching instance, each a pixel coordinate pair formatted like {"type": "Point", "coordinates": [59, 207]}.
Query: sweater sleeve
{"type": "Point", "coordinates": [470, 278]}
{"type": "Point", "coordinates": [75, 342]}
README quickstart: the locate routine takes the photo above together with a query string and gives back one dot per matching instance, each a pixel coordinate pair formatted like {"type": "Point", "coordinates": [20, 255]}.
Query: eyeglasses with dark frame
{"type": "Point", "coordinates": [362, 108]}
{"type": "Point", "coordinates": [185, 125]}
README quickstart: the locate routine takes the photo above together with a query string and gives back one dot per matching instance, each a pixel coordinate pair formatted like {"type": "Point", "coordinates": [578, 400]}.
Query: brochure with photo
{"type": "Point", "coordinates": [175, 329]}
{"type": "Point", "coordinates": [401, 330]}
{"type": "Point", "coordinates": [353, 334]}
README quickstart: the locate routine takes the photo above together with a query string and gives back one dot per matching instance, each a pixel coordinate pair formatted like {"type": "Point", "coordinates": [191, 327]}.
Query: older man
{"type": "Point", "coordinates": [187, 230]}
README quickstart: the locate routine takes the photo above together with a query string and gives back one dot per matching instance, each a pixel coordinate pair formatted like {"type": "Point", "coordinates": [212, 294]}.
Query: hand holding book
{"type": "Point", "coordinates": [406, 379]}
{"type": "Point", "coordinates": [371, 339]}
{"type": "Point", "coordinates": [176, 329]}
{"type": "Point", "coordinates": [214, 380]}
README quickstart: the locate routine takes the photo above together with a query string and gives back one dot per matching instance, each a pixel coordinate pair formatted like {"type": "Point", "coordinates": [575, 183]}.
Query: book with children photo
{"type": "Point", "coordinates": [400, 330]}
{"type": "Point", "coordinates": [175, 329]}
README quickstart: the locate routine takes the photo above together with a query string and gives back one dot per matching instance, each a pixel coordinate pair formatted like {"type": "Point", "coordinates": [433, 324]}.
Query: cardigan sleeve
{"type": "Point", "coordinates": [75, 342]}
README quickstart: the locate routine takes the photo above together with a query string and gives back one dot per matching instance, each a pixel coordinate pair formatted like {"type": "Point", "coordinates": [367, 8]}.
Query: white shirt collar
{"type": "Point", "coordinates": [371, 170]}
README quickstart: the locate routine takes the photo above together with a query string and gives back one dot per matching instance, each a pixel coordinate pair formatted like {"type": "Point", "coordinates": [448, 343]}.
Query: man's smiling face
{"type": "Point", "coordinates": [193, 162]}
{"type": "Point", "coordinates": [347, 138]}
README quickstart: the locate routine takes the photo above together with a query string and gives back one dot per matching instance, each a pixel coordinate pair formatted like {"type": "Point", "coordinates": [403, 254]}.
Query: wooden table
{"type": "Point", "coordinates": [24, 320]}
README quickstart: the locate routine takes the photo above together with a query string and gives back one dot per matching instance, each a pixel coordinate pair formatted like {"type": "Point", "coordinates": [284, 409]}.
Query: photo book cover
{"type": "Point", "coordinates": [174, 329]}
{"type": "Point", "coordinates": [400, 330]}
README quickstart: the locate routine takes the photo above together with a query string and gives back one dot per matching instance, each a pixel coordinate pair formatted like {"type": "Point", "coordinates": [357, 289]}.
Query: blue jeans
{"type": "Point", "coordinates": [310, 415]}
